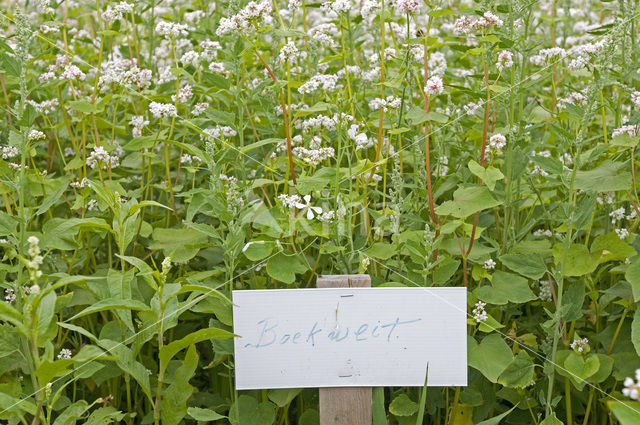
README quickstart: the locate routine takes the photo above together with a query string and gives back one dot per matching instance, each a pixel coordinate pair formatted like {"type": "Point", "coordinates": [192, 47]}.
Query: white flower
{"type": "Point", "coordinates": [505, 60]}
{"type": "Point", "coordinates": [434, 86]}
{"type": "Point", "coordinates": [489, 264]}
{"type": "Point", "coordinates": [162, 110]}
{"type": "Point", "coordinates": [622, 233]}
{"type": "Point", "coordinates": [479, 312]}
{"type": "Point", "coordinates": [617, 215]}
{"type": "Point", "coordinates": [171, 29]}
{"type": "Point", "coordinates": [65, 353]}
{"type": "Point", "coordinates": [407, 6]}
{"type": "Point", "coordinates": [471, 107]}
{"type": "Point", "coordinates": [310, 210]}
{"type": "Point", "coordinates": [497, 142]}
{"type": "Point", "coordinates": [580, 345]}
{"type": "Point", "coordinates": [635, 99]}
{"type": "Point", "coordinates": [199, 108]}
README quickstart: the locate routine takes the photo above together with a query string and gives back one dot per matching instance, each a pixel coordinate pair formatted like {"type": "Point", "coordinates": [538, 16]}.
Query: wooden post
{"type": "Point", "coordinates": [345, 405]}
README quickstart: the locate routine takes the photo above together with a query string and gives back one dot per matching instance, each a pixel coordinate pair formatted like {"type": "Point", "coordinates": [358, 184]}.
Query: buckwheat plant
{"type": "Point", "coordinates": [156, 155]}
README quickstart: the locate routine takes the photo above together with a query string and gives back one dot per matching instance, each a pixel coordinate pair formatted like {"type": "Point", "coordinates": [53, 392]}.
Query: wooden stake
{"type": "Point", "coordinates": [345, 405]}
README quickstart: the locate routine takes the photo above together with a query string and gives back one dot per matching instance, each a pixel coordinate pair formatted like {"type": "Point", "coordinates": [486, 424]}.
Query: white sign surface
{"type": "Point", "coordinates": [299, 338]}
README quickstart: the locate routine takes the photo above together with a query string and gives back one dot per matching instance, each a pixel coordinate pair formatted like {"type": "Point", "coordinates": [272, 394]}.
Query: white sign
{"type": "Point", "coordinates": [350, 337]}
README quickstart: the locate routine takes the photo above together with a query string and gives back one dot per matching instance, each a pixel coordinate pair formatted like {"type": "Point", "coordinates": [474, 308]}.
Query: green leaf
{"type": "Point", "coordinates": [84, 106]}
{"type": "Point", "coordinates": [467, 201]}
{"type": "Point", "coordinates": [139, 143]}
{"type": "Point", "coordinates": [380, 250]}
{"type": "Point", "coordinates": [46, 310]}
{"type": "Point", "coordinates": [283, 267]}
{"type": "Point", "coordinates": [174, 399]}
{"type": "Point", "coordinates": [635, 331]}
{"type": "Point", "coordinates": [625, 139]}
{"type": "Point", "coordinates": [633, 277]}
{"type": "Point", "coordinates": [491, 357]}
{"type": "Point", "coordinates": [609, 176]}
{"type": "Point", "coordinates": [105, 416]}
{"type": "Point", "coordinates": [54, 196]}
{"type": "Point", "coordinates": [49, 370]}
{"type": "Point", "coordinates": [581, 367]}
{"type": "Point", "coordinates": [283, 396]}
{"type": "Point", "coordinates": [417, 115]}
{"type": "Point", "coordinates": [204, 415]}
{"type": "Point", "coordinates": [519, 373]}
{"type": "Point", "coordinates": [402, 405]}
{"type": "Point", "coordinates": [579, 260]}
{"type": "Point", "coordinates": [551, 420]}
{"type": "Point", "coordinates": [489, 175]}
{"type": "Point", "coordinates": [10, 65]}
{"type": "Point", "coordinates": [179, 244]}
{"type": "Point", "coordinates": [627, 412]}
{"type": "Point", "coordinates": [496, 419]}
{"type": "Point", "coordinates": [506, 287]}
{"type": "Point", "coordinates": [612, 248]}
{"type": "Point", "coordinates": [258, 250]}
{"type": "Point", "coordinates": [168, 351]}
{"type": "Point", "coordinates": [247, 411]}
{"type": "Point", "coordinates": [111, 304]}
{"type": "Point", "coordinates": [529, 265]}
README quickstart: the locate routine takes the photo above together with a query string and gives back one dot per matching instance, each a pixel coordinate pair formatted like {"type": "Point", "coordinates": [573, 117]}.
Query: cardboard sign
{"type": "Point", "coordinates": [362, 337]}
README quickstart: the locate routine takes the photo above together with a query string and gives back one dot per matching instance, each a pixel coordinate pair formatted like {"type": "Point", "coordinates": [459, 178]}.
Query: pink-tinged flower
{"type": "Point", "coordinates": [434, 86]}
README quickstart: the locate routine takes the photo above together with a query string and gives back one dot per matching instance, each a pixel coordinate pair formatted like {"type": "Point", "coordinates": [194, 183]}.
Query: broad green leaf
{"type": "Point", "coordinates": [84, 106]}
{"type": "Point", "coordinates": [528, 265]}
{"type": "Point", "coordinates": [402, 405]}
{"type": "Point", "coordinates": [258, 250]}
{"type": "Point", "coordinates": [625, 139]}
{"type": "Point", "coordinates": [491, 357]}
{"type": "Point", "coordinates": [519, 373]}
{"type": "Point", "coordinates": [204, 415]}
{"type": "Point", "coordinates": [506, 287]}
{"type": "Point", "coordinates": [179, 244]}
{"type": "Point", "coordinates": [283, 267]}
{"type": "Point", "coordinates": [174, 399]}
{"type": "Point", "coordinates": [612, 248]}
{"type": "Point", "coordinates": [380, 250]}
{"type": "Point", "coordinates": [609, 176]}
{"type": "Point", "coordinates": [105, 416]}
{"type": "Point", "coordinates": [579, 260]}
{"type": "Point", "coordinates": [581, 367]}
{"type": "Point", "coordinates": [468, 201]}
{"type": "Point", "coordinates": [417, 115]}
{"type": "Point", "coordinates": [283, 396]}
{"type": "Point", "coordinates": [489, 175]}
{"type": "Point", "coordinates": [627, 412]}
{"type": "Point", "coordinates": [247, 411]}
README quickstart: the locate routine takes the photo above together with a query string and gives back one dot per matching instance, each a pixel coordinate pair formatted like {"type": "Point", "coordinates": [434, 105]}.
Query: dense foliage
{"type": "Point", "coordinates": [157, 155]}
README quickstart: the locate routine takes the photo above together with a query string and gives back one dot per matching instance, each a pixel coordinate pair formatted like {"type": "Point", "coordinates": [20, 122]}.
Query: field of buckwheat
{"type": "Point", "coordinates": [157, 154]}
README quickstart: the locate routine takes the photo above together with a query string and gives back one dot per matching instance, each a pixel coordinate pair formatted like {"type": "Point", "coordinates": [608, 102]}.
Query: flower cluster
{"type": "Point", "coordinates": [251, 17]}
{"type": "Point", "coordinates": [479, 313]}
{"type": "Point", "coordinates": [35, 259]}
{"type": "Point", "coordinates": [580, 345]}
